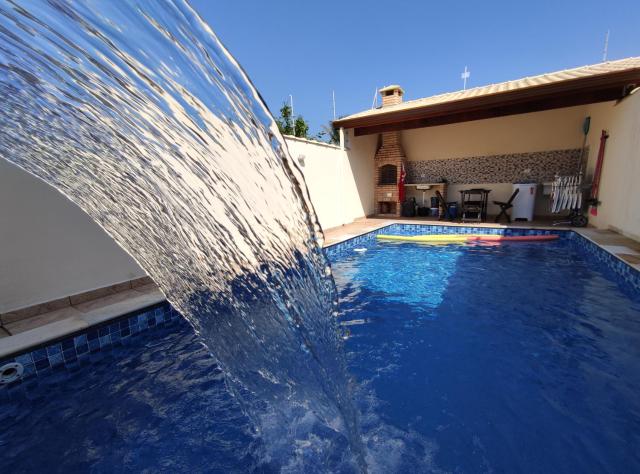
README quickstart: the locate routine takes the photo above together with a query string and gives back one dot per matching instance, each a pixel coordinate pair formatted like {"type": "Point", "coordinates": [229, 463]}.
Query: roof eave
{"type": "Point", "coordinates": [582, 88]}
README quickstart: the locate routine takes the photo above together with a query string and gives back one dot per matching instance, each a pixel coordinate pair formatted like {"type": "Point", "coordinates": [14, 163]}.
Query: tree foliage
{"type": "Point", "coordinates": [301, 127]}
{"type": "Point", "coordinates": [285, 121]}
{"type": "Point", "coordinates": [287, 125]}
{"type": "Point", "coordinates": [329, 134]}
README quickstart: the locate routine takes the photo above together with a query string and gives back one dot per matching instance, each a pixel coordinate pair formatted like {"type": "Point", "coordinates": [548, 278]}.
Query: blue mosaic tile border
{"type": "Point", "coordinates": [341, 249]}
{"type": "Point", "coordinates": [620, 271]}
{"type": "Point", "coordinates": [336, 251]}
{"type": "Point", "coordinates": [626, 275]}
{"type": "Point", "coordinates": [69, 351]}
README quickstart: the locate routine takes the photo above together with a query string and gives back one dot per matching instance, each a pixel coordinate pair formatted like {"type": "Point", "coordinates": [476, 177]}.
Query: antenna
{"type": "Point", "coordinates": [606, 47]}
{"type": "Point", "coordinates": [464, 76]}
{"type": "Point", "coordinates": [291, 99]}
{"type": "Point", "coordinates": [374, 102]}
{"type": "Point", "coordinates": [333, 97]}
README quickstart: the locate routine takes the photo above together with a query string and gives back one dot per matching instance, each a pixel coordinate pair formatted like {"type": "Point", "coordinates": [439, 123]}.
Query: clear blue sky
{"type": "Point", "coordinates": [310, 48]}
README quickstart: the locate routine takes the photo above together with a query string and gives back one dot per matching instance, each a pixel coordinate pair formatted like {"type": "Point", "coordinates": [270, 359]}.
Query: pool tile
{"type": "Point", "coordinates": [69, 355]}
{"type": "Point", "coordinates": [80, 340]}
{"type": "Point", "coordinates": [67, 344]}
{"type": "Point", "coordinates": [42, 364]}
{"type": "Point", "coordinates": [73, 350]}
{"type": "Point", "coordinates": [25, 359]}
{"type": "Point", "coordinates": [54, 349]}
{"type": "Point", "coordinates": [105, 341]}
{"type": "Point", "coordinates": [56, 360]}
{"type": "Point", "coordinates": [28, 370]}
{"type": "Point", "coordinates": [39, 354]}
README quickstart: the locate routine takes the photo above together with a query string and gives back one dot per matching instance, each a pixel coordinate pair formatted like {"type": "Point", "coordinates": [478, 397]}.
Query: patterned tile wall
{"type": "Point", "coordinates": [541, 166]}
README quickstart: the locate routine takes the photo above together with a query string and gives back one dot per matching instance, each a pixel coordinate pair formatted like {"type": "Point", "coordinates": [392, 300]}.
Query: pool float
{"type": "Point", "coordinates": [462, 238]}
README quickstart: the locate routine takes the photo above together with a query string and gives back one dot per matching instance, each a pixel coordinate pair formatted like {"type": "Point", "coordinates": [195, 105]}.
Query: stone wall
{"type": "Point", "coordinates": [540, 167]}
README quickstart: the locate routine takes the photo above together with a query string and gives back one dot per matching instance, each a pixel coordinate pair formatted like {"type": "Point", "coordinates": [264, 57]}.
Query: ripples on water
{"type": "Point", "coordinates": [518, 357]}
{"type": "Point", "coordinates": [137, 113]}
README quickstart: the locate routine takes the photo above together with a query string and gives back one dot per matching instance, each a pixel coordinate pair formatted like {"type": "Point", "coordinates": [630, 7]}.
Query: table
{"type": "Point", "coordinates": [474, 201]}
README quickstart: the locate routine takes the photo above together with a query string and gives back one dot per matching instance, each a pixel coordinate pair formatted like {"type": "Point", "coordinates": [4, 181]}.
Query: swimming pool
{"type": "Point", "coordinates": [518, 357]}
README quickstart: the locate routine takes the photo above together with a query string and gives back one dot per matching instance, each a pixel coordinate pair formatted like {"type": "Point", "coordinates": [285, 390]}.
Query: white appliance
{"type": "Point", "coordinates": [524, 202]}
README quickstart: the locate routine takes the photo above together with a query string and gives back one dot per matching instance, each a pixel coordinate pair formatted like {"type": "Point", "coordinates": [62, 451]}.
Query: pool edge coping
{"type": "Point", "coordinates": [74, 330]}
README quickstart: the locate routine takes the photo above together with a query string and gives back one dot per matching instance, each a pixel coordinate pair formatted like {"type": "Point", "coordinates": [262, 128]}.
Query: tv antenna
{"type": "Point", "coordinates": [606, 47]}
{"type": "Point", "coordinates": [464, 76]}
{"type": "Point", "coordinates": [333, 98]}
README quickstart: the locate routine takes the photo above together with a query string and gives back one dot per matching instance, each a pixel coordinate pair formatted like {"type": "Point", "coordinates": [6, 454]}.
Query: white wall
{"type": "Point", "coordinates": [523, 133]}
{"type": "Point", "coordinates": [499, 192]}
{"type": "Point", "coordinates": [620, 179]}
{"type": "Point", "coordinates": [537, 131]}
{"type": "Point", "coordinates": [49, 248]}
{"type": "Point", "coordinates": [330, 173]}
{"type": "Point", "coordinates": [361, 151]}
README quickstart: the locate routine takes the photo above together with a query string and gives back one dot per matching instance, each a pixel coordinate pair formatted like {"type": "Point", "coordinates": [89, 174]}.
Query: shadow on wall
{"type": "Point", "coordinates": [49, 247]}
{"type": "Point", "coordinates": [361, 153]}
{"type": "Point", "coordinates": [619, 191]}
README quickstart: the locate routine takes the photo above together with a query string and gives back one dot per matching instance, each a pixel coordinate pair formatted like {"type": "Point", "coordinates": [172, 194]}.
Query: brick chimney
{"type": "Point", "coordinates": [391, 95]}
{"type": "Point", "coordinates": [388, 161]}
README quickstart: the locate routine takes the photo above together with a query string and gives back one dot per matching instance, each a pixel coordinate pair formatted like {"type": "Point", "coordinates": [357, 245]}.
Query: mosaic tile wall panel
{"type": "Point", "coordinates": [542, 166]}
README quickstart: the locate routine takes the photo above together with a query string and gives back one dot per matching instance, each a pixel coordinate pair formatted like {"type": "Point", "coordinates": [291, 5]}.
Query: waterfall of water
{"type": "Point", "coordinates": [137, 113]}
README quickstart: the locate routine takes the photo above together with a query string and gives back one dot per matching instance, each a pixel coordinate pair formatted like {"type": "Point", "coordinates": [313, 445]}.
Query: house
{"type": "Point", "coordinates": [528, 129]}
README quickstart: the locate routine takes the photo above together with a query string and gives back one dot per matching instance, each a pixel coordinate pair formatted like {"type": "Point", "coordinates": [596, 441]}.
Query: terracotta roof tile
{"type": "Point", "coordinates": [526, 82]}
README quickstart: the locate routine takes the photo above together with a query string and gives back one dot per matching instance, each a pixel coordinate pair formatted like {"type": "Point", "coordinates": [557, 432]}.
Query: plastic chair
{"type": "Point", "coordinates": [445, 214]}
{"type": "Point", "coordinates": [505, 206]}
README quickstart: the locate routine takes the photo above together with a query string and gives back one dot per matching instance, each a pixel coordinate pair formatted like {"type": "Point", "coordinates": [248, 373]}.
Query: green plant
{"type": "Point", "coordinates": [288, 126]}
{"type": "Point", "coordinates": [285, 121]}
{"type": "Point", "coordinates": [301, 127]}
{"type": "Point", "coordinates": [329, 134]}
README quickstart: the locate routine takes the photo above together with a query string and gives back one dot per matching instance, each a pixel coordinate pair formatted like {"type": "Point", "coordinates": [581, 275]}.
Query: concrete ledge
{"type": "Point", "coordinates": [28, 333]}
{"type": "Point", "coordinates": [311, 142]}
{"type": "Point", "coordinates": [14, 315]}
{"type": "Point", "coordinates": [35, 337]}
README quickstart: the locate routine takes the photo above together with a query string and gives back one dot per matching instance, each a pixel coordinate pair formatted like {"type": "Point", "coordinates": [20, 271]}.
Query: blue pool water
{"type": "Point", "coordinates": [518, 357]}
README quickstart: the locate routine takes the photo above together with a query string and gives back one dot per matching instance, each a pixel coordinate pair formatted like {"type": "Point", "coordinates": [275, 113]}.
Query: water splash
{"type": "Point", "coordinates": [137, 113]}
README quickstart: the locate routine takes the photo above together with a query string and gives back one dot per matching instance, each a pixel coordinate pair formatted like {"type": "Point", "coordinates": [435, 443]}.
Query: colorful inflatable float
{"type": "Point", "coordinates": [463, 238]}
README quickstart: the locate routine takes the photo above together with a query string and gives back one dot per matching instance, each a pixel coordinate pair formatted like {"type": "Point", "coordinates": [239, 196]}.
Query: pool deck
{"type": "Point", "coordinates": [34, 326]}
